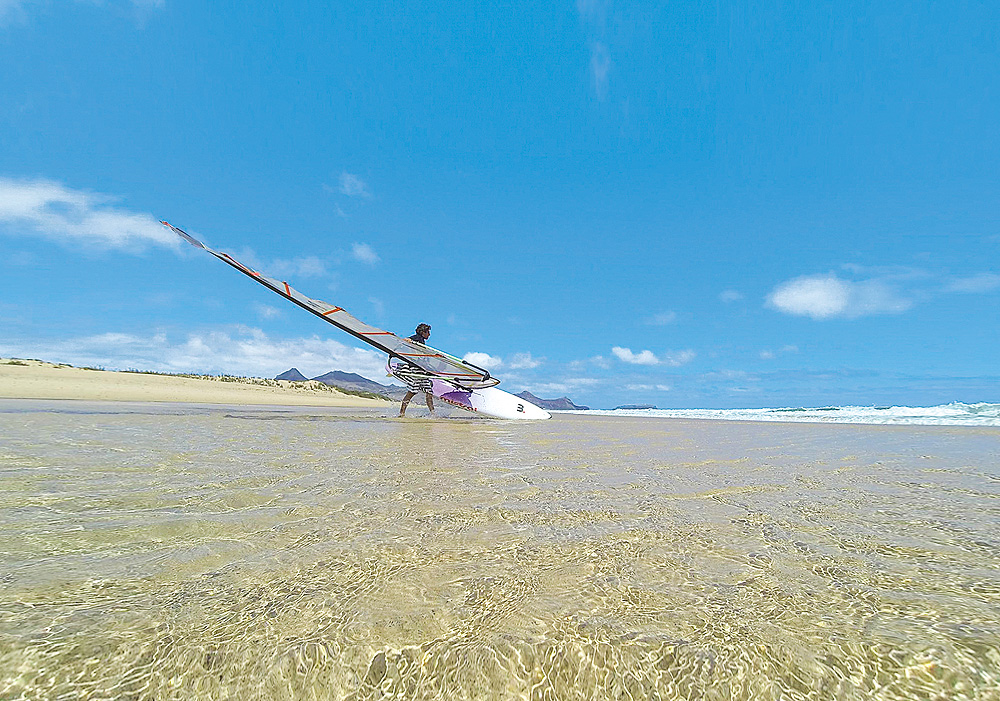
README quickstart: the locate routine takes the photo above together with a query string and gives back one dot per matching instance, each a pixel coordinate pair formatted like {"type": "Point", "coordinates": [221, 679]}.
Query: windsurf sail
{"type": "Point", "coordinates": [421, 358]}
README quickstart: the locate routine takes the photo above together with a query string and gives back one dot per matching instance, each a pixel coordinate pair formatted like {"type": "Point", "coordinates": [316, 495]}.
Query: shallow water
{"type": "Point", "coordinates": [178, 552]}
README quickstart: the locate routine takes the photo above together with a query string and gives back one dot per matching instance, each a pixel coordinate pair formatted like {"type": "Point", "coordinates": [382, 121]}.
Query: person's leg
{"type": "Point", "coordinates": [406, 400]}
{"type": "Point", "coordinates": [430, 401]}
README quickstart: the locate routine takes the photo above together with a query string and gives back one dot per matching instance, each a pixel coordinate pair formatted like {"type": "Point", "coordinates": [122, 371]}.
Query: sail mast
{"type": "Point", "coordinates": [430, 360]}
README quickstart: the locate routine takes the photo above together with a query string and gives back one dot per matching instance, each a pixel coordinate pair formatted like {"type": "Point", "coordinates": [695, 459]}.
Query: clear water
{"type": "Point", "coordinates": [180, 552]}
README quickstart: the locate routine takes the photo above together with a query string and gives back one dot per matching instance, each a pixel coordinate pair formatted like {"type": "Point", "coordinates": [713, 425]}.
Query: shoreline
{"type": "Point", "coordinates": [38, 379]}
{"type": "Point", "coordinates": [669, 424]}
{"type": "Point", "coordinates": [33, 379]}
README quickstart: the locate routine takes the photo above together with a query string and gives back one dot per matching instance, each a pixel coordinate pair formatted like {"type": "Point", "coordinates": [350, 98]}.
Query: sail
{"type": "Point", "coordinates": [422, 357]}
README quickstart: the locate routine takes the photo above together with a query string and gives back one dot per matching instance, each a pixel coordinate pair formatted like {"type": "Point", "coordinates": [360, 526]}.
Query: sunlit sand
{"type": "Point", "coordinates": [35, 379]}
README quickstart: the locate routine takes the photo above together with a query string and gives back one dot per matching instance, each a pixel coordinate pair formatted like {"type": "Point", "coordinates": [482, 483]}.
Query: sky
{"type": "Point", "coordinates": [689, 205]}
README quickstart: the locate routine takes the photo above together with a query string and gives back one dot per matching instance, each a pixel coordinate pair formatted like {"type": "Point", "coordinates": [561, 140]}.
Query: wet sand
{"type": "Point", "coordinates": [36, 379]}
{"type": "Point", "coordinates": [177, 552]}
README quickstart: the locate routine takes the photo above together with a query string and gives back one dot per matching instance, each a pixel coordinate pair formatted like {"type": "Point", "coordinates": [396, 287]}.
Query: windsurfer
{"type": "Point", "coordinates": [418, 384]}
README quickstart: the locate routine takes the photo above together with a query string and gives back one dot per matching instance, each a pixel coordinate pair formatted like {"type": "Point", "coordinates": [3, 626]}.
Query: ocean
{"type": "Point", "coordinates": [177, 551]}
{"type": "Point", "coordinates": [954, 414]}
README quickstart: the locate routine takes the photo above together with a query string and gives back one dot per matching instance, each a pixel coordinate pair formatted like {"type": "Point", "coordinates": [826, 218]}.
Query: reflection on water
{"type": "Point", "coordinates": [180, 552]}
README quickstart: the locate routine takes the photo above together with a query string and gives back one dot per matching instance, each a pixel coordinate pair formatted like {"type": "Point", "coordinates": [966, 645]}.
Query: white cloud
{"type": "Point", "coordinates": [817, 296]}
{"type": "Point", "coordinates": [378, 305]}
{"type": "Point", "coordinates": [570, 384]}
{"type": "Point", "coordinates": [266, 311]}
{"type": "Point", "coordinates": [550, 388]}
{"type": "Point", "coordinates": [239, 351]}
{"type": "Point", "coordinates": [768, 354]}
{"type": "Point", "coordinates": [975, 284]}
{"type": "Point", "coordinates": [648, 388]}
{"type": "Point", "coordinates": [678, 358]}
{"type": "Point", "coordinates": [483, 360]}
{"type": "Point", "coordinates": [283, 268]}
{"type": "Point", "coordinates": [828, 296]}
{"type": "Point", "coordinates": [353, 186]}
{"type": "Point", "coordinates": [600, 66]}
{"type": "Point", "coordinates": [647, 357]}
{"type": "Point", "coordinates": [593, 14]}
{"type": "Point", "coordinates": [626, 355]}
{"type": "Point", "coordinates": [11, 9]}
{"type": "Point", "coordinates": [16, 9]}
{"type": "Point", "coordinates": [661, 319]}
{"type": "Point", "coordinates": [364, 253]}
{"type": "Point", "coordinates": [523, 361]}
{"type": "Point", "coordinates": [306, 266]}
{"type": "Point", "coordinates": [730, 296]}
{"type": "Point", "coordinates": [729, 375]}
{"type": "Point", "coordinates": [873, 290]}
{"type": "Point", "coordinates": [598, 361]}
{"type": "Point", "coordinates": [48, 209]}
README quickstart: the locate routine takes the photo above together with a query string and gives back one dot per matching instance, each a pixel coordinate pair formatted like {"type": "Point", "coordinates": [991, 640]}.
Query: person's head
{"type": "Point", "coordinates": [424, 331]}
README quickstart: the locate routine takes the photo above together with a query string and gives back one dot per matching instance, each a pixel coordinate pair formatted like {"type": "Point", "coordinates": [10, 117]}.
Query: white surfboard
{"type": "Point", "coordinates": [489, 401]}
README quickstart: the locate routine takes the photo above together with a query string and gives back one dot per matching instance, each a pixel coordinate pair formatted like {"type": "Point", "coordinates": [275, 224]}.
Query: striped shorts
{"type": "Point", "coordinates": [415, 382]}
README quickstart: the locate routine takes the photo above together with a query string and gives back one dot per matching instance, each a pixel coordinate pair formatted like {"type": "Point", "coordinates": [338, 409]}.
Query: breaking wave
{"type": "Point", "coordinates": [954, 414]}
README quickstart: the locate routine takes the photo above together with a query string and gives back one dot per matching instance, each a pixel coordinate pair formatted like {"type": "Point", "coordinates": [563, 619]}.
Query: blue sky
{"type": "Point", "coordinates": [687, 205]}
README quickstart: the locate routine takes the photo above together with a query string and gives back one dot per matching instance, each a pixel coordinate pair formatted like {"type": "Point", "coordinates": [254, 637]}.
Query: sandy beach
{"type": "Point", "coordinates": [175, 551]}
{"type": "Point", "coordinates": [36, 379]}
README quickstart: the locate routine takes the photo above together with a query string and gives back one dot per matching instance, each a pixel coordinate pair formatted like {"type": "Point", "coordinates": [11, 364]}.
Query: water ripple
{"type": "Point", "coordinates": [263, 554]}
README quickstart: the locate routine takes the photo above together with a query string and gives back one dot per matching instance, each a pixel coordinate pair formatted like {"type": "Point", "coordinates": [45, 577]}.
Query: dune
{"type": "Point", "coordinates": [37, 379]}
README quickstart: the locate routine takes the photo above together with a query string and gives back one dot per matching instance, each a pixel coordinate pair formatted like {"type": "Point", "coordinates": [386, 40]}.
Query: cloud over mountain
{"type": "Point", "coordinates": [238, 350]}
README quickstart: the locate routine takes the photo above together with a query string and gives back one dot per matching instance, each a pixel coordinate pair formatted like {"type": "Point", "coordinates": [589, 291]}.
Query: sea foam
{"type": "Point", "coordinates": [954, 414]}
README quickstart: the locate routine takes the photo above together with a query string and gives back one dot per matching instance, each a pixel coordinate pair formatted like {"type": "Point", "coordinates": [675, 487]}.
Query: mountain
{"type": "Point", "coordinates": [292, 375]}
{"type": "Point", "coordinates": [356, 383]}
{"type": "Point", "coordinates": [562, 403]}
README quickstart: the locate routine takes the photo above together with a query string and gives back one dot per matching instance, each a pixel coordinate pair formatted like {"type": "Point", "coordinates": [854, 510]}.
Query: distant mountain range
{"type": "Point", "coordinates": [349, 381]}
{"type": "Point", "coordinates": [355, 382]}
{"type": "Point", "coordinates": [352, 382]}
{"type": "Point", "coordinates": [563, 403]}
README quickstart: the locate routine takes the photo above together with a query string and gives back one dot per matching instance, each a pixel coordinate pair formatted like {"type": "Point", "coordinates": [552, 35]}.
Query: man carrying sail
{"type": "Point", "coordinates": [417, 383]}
{"type": "Point", "coordinates": [460, 382]}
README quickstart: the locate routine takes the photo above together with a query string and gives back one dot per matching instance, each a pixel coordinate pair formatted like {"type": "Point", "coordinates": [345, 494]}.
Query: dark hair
{"type": "Point", "coordinates": [423, 328]}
